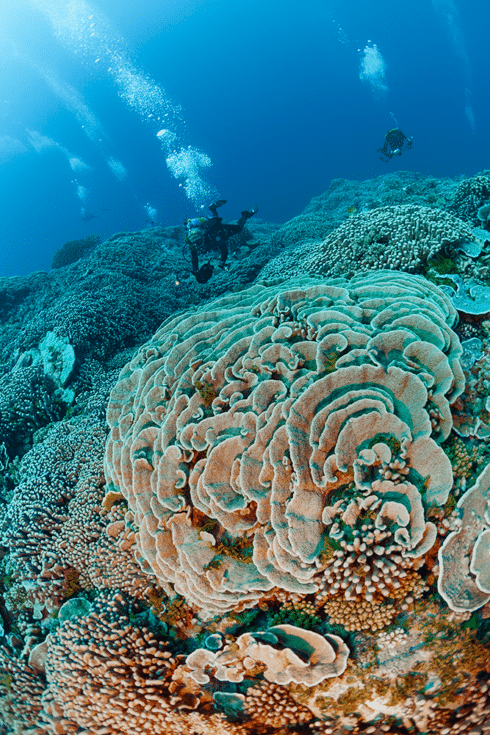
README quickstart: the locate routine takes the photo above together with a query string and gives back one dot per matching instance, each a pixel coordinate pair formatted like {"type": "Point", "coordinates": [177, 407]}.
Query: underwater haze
{"type": "Point", "coordinates": [116, 116]}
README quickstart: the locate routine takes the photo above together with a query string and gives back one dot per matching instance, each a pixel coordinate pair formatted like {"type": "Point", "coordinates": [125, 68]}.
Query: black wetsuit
{"type": "Point", "coordinates": [395, 140]}
{"type": "Point", "coordinates": [215, 238]}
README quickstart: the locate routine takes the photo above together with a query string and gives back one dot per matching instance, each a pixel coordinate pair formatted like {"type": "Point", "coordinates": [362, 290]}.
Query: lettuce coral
{"type": "Point", "coordinates": [326, 657]}
{"type": "Point", "coordinates": [314, 464]}
{"type": "Point", "coordinates": [464, 582]}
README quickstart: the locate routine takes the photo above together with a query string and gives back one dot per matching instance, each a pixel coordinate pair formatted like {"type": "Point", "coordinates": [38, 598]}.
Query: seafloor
{"type": "Point", "coordinates": [261, 504]}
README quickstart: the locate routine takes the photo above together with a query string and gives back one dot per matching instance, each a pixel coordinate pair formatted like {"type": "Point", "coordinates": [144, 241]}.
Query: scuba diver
{"type": "Point", "coordinates": [205, 234]}
{"type": "Point", "coordinates": [393, 145]}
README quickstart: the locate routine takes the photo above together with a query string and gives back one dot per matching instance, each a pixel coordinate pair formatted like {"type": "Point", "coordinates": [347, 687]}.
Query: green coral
{"type": "Point", "coordinates": [294, 614]}
{"type": "Point", "coordinates": [466, 457]}
{"type": "Point", "coordinates": [16, 597]}
{"type": "Point", "coordinates": [442, 264]}
{"type": "Point", "coordinates": [6, 681]}
{"type": "Point", "coordinates": [206, 391]}
{"type": "Point", "coordinates": [331, 358]}
{"type": "Point", "coordinates": [392, 442]}
{"type": "Point", "coordinates": [328, 548]}
{"type": "Point", "coordinates": [240, 548]}
{"type": "Point", "coordinates": [72, 582]}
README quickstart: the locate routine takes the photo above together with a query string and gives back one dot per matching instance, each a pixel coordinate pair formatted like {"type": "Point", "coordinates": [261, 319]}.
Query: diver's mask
{"type": "Point", "coordinates": [195, 230]}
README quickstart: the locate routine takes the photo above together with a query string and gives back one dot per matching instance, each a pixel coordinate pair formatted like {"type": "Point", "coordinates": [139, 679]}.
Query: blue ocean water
{"type": "Point", "coordinates": [115, 115]}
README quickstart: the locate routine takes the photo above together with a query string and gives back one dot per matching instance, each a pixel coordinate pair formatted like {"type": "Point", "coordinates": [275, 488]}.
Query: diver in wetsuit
{"type": "Point", "coordinates": [209, 234]}
{"type": "Point", "coordinates": [395, 140]}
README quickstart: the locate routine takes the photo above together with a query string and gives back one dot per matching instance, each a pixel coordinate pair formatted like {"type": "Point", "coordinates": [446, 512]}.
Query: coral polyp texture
{"type": "Point", "coordinates": [399, 237]}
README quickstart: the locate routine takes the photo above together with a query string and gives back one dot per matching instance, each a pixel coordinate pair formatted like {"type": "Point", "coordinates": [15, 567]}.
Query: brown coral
{"type": "Point", "coordinates": [271, 705]}
{"type": "Point", "coordinates": [21, 689]}
{"type": "Point", "coordinates": [88, 660]}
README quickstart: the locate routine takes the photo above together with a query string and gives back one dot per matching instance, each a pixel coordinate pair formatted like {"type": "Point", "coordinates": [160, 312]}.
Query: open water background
{"type": "Point", "coordinates": [263, 102]}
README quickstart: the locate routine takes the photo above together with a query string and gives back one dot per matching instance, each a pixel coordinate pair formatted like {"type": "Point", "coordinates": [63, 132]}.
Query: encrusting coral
{"type": "Point", "coordinates": [464, 582]}
{"type": "Point", "coordinates": [323, 657]}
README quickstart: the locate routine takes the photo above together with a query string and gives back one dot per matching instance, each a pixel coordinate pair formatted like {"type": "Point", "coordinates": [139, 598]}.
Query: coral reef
{"type": "Point", "coordinates": [401, 237]}
{"type": "Point", "coordinates": [74, 250]}
{"type": "Point", "coordinates": [470, 195]}
{"type": "Point", "coordinates": [272, 516]}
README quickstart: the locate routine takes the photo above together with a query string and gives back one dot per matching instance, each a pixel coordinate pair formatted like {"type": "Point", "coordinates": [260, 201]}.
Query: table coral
{"type": "Point", "coordinates": [296, 453]}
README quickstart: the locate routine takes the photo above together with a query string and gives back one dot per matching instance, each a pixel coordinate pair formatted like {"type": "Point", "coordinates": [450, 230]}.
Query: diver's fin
{"type": "Point", "coordinates": [217, 204]}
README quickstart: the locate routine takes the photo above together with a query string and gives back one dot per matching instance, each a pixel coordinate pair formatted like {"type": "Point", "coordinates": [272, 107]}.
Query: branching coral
{"type": "Point", "coordinates": [58, 542]}
{"type": "Point", "coordinates": [104, 672]}
{"type": "Point", "coordinates": [398, 237]}
{"type": "Point", "coordinates": [470, 195]}
{"type": "Point", "coordinates": [21, 690]}
{"type": "Point", "coordinates": [271, 705]}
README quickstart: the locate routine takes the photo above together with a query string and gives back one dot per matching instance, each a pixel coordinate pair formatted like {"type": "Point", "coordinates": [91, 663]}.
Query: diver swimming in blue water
{"type": "Point", "coordinates": [395, 142]}
{"type": "Point", "coordinates": [209, 234]}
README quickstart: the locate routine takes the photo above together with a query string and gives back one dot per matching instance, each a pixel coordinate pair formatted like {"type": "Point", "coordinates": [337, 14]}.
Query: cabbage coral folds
{"type": "Point", "coordinates": [287, 438]}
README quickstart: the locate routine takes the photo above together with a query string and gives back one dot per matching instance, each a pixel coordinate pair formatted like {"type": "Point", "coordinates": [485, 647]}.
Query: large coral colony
{"type": "Point", "coordinates": [273, 515]}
